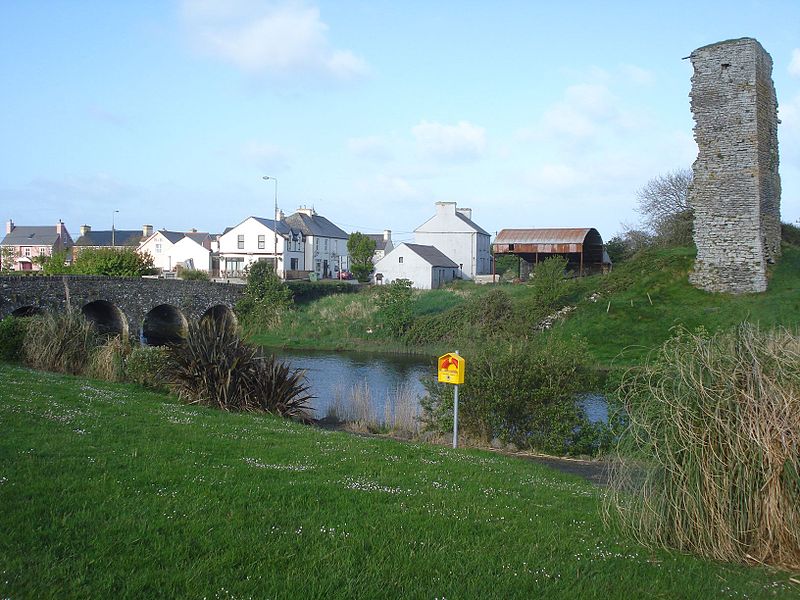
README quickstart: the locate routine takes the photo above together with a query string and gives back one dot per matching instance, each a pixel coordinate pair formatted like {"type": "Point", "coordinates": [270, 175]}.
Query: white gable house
{"type": "Point", "coordinates": [325, 244]}
{"type": "Point", "coordinates": [452, 231]}
{"type": "Point", "coordinates": [425, 266]}
{"type": "Point", "coordinates": [383, 244]}
{"type": "Point", "coordinates": [258, 239]}
{"type": "Point", "coordinates": [170, 249]}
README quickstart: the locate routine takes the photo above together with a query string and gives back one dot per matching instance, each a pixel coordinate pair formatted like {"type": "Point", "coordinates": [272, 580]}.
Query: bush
{"type": "Point", "coordinates": [114, 262]}
{"type": "Point", "coordinates": [710, 462]}
{"type": "Point", "coordinates": [215, 367]}
{"type": "Point", "coordinates": [146, 365]}
{"type": "Point", "coordinates": [307, 291]}
{"type": "Point", "coordinates": [265, 298]}
{"type": "Point", "coordinates": [548, 283]}
{"type": "Point", "coordinates": [395, 306]}
{"type": "Point", "coordinates": [12, 338]}
{"type": "Point", "coordinates": [108, 360]}
{"type": "Point", "coordinates": [523, 393]}
{"type": "Point", "coordinates": [60, 342]}
{"type": "Point", "coordinates": [194, 275]}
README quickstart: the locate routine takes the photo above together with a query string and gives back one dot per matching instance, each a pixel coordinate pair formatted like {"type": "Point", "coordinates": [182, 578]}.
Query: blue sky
{"type": "Point", "coordinates": [534, 114]}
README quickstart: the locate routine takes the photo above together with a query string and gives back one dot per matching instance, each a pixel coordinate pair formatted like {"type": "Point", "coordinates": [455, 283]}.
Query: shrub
{"type": "Point", "coordinates": [395, 306]}
{"type": "Point", "coordinates": [115, 262]}
{"type": "Point", "coordinates": [12, 338]}
{"type": "Point", "coordinates": [548, 283]}
{"type": "Point", "coordinates": [523, 393]}
{"type": "Point", "coordinates": [60, 342]}
{"type": "Point", "coordinates": [215, 367]}
{"type": "Point", "coordinates": [194, 275]}
{"type": "Point", "coordinates": [108, 360]}
{"type": "Point", "coordinates": [146, 365]}
{"type": "Point", "coordinates": [265, 298]}
{"type": "Point", "coordinates": [307, 291]}
{"type": "Point", "coordinates": [710, 462]}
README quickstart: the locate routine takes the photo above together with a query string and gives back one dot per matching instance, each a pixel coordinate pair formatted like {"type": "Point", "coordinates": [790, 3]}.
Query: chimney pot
{"type": "Point", "coordinates": [9, 226]}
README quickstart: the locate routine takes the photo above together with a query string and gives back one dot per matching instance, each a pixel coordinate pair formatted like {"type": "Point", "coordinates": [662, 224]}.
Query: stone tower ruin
{"type": "Point", "coordinates": [736, 190]}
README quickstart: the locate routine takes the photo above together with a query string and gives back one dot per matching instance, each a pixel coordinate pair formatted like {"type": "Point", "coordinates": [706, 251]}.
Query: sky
{"type": "Point", "coordinates": [533, 114]}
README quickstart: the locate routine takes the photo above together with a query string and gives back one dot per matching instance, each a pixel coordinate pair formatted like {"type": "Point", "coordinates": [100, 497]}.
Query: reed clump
{"type": "Point", "coordinates": [59, 342]}
{"type": "Point", "coordinates": [710, 461]}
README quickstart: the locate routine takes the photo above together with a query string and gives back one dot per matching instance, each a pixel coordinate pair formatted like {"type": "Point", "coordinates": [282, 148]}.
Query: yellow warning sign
{"type": "Point", "coordinates": [451, 368]}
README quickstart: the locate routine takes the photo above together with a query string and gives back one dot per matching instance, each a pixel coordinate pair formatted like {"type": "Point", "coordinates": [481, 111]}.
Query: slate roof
{"type": "Point", "coordinates": [316, 225]}
{"type": "Point", "coordinates": [380, 242]}
{"type": "Point", "coordinates": [122, 237]}
{"type": "Point", "coordinates": [32, 235]}
{"type": "Point", "coordinates": [279, 227]}
{"type": "Point", "coordinates": [431, 255]}
{"type": "Point", "coordinates": [472, 224]}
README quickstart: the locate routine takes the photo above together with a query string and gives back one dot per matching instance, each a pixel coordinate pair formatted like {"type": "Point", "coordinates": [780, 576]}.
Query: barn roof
{"type": "Point", "coordinates": [544, 236]}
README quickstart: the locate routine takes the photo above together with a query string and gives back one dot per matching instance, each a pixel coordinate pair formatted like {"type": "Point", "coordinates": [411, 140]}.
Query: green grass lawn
{"type": "Point", "coordinates": [109, 491]}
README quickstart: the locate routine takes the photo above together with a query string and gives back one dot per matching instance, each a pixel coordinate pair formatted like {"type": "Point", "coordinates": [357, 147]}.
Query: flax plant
{"type": "Point", "coordinates": [710, 462]}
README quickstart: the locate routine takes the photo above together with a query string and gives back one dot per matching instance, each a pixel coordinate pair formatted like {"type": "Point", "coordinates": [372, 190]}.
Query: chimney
{"type": "Point", "coordinates": [279, 215]}
{"type": "Point", "coordinates": [147, 230]}
{"type": "Point", "coordinates": [467, 212]}
{"type": "Point", "coordinates": [60, 227]}
{"type": "Point", "coordinates": [309, 212]}
{"type": "Point", "coordinates": [445, 208]}
{"type": "Point", "coordinates": [85, 229]}
{"type": "Point", "coordinates": [193, 230]}
{"type": "Point", "coordinates": [9, 226]}
{"type": "Point", "coordinates": [387, 235]}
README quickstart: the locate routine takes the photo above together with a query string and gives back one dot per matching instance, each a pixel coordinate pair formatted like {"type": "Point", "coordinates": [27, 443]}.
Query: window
{"type": "Point", "coordinates": [260, 242]}
{"type": "Point", "coordinates": [400, 260]}
{"type": "Point", "coordinates": [316, 243]}
{"type": "Point", "coordinates": [326, 244]}
{"type": "Point", "coordinates": [240, 241]}
{"type": "Point", "coordinates": [158, 248]}
{"type": "Point", "coordinates": [42, 251]}
{"type": "Point", "coordinates": [294, 264]}
{"type": "Point", "coordinates": [26, 252]}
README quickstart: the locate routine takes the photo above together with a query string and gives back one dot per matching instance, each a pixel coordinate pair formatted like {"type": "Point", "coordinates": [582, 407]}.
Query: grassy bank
{"type": "Point", "coordinates": [621, 315]}
{"type": "Point", "coordinates": [111, 491]}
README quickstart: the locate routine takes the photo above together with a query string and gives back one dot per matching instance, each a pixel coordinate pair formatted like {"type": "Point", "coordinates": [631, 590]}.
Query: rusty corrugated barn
{"type": "Point", "coordinates": [582, 247]}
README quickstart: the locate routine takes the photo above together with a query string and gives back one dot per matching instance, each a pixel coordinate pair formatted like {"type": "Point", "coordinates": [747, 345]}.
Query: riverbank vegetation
{"type": "Point", "coordinates": [109, 490]}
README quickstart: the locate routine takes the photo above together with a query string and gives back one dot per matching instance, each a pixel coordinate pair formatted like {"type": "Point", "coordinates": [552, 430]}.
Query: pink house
{"type": "Point", "coordinates": [23, 243]}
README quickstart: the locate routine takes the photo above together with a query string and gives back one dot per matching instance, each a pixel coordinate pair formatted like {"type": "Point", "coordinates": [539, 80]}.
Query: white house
{"type": "Point", "coordinates": [383, 244]}
{"type": "Point", "coordinates": [453, 231]}
{"type": "Point", "coordinates": [425, 266]}
{"type": "Point", "coordinates": [325, 243]}
{"type": "Point", "coordinates": [171, 249]}
{"type": "Point", "coordinates": [258, 239]}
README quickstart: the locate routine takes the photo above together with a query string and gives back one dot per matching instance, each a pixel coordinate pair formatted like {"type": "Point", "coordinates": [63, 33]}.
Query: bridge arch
{"type": "Point", "coordinates": [27, 311]}
{"type": "Point", "coordinates": [107, 318]}
{"type": "Point", "coordinates": [164, 325]}
{"type": "Point", "coordinates": [222, 314]}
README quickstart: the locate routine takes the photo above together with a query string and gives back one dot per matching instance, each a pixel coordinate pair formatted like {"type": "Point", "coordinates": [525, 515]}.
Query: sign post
{"type": "Point", "coordinates": [451, 370]}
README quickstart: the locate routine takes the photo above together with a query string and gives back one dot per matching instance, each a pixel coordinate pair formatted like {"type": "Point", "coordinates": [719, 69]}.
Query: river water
{"type": "Point", "coordinates": [334, 376]}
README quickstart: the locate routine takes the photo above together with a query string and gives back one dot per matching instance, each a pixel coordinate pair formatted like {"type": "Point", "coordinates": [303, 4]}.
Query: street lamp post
{"type": "Point", "coordinates": [113, 229]}
{"type": "Point", "coordinates": [274, 222]}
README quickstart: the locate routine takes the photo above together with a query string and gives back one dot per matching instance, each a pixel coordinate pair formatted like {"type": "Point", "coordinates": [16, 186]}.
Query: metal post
{"type": "Point", "coordinates": [113, 229]}
{"type": "Point", "coordinates": [455, 413]}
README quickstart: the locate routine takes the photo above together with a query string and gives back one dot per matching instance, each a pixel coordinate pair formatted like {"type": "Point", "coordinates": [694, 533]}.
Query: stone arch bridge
{"type": "Point", "coordinates": [157, 311]}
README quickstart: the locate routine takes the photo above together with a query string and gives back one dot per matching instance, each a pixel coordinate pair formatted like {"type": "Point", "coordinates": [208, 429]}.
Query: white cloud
{"type": "Point", "coordinates": [789, 114]}
{"type": "Point", "coordinates": [463, 141]}
{"type": "Point", "coordinates": [373, 147]}
{"type": "Point", "coordinates": [261, 37]}
{"type": "Point", "coordinates": [794, 65]}
{"type": "Point", "coordinates": [637, 75]}
{"type": "Point", "coordinates": [387, 187]}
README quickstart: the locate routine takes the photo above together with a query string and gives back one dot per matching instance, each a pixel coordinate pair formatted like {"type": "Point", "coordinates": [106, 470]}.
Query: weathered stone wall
{"type": "Point", "coordinates": [736, 189]}
{"type": "Point", "coordinates": [135, 297]}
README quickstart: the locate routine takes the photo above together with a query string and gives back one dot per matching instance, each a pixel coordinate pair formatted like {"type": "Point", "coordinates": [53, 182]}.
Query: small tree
{"type": "Point", "coordinates": [113, 262]}
{"type": "Point", "coordinates": [665, 209]}
{"type": "Point", "coordinates": [395, 306]}
{"type": "Point", "coordinates": [55, 264]}
{"type": "Point", "coordinates": [265, 298]}
{"type": "Point", "coordinates": [548, 282]}
{"type": "Point", "coordinates": [361, 249]}
{"type": "Point", "coordinates": [6, 260]}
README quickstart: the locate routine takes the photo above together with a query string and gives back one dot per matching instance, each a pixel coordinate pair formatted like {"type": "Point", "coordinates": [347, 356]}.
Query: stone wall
{"type": "Point", "coordinates": [135, 297]}
{"type": "Point", "coordinates": [736, 189]}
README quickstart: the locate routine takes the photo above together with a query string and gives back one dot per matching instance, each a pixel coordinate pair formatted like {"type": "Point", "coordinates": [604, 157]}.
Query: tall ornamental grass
{"type": "Point", "coordinates": [710, 462]}
{"type": "Point", "coordinates": [60, 342]}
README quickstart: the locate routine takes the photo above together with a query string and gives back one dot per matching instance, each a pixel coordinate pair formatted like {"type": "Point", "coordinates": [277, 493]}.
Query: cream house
{"type": "Point", "coordinates": [259, 239]}
{"type": "Point", "coordinates": [425, 266]}
{"type": "Point", "coordinates": [458, 237]}
{"type": "Point", "coordinates": [170, 249]}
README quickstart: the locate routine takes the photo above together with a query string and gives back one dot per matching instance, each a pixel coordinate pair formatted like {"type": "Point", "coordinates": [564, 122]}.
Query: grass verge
{"type": "Point", "coordinates": [108, 490]}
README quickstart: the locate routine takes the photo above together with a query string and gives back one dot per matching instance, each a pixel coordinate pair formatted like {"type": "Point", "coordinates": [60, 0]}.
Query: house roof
{"type": "Point", "coordinates": [198, 236]}
{"type": "Point", "coordinates": [31, 235]}
{"type": "Point", "coordinates": [122, 237]}
{"type": "Point", "coordinates": [543, 236]}
{"type": "Point", "coordinates": [431, 255]}
{"type": "Point", "coordinates": [279, 227]}
{"type": "Point", "coordinates": [315, 225]}
{"type": "Point", "coordinates": [472, 223]}
{"type": "Point", "coordinates": [380, 241]}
